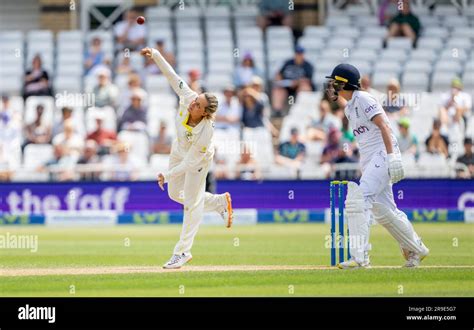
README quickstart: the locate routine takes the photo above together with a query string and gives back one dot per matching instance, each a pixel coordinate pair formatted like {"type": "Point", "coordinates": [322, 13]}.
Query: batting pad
{"type": "Point", "coordinates": [399, 227]}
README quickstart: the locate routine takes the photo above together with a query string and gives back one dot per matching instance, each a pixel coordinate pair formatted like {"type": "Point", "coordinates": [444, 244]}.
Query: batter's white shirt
{"type": "Point", "coordinates": [193, 144]}
{"type": "Point", "coordinates": [360, 110]}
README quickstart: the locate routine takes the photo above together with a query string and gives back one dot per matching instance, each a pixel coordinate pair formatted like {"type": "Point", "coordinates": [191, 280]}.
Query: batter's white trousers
{"type": "Point", "coordinates": [189, 189]}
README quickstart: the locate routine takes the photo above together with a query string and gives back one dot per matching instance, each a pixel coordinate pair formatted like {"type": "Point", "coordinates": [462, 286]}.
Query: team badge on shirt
{"type": "Point", "coordinates": [189, 136]}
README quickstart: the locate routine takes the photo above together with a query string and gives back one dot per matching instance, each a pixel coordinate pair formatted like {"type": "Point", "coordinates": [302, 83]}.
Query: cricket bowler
{"type": "Point", "coordinates": [191, 156]}
{"type": "Point", "coordinates": [381, 165]}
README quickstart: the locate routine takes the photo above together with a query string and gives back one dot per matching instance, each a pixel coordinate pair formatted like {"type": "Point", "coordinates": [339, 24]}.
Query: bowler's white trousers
{"type": "Point", "coordinates": [189, 189]}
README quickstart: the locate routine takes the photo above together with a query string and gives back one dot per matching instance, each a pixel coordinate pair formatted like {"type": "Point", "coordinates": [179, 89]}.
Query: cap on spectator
{"type": "Point", "coordinates": [229, 88]}
{"type": "Point", "coordinates": [248, 56]}
{"type": "Point", "coordinates": [256, 80]}
{"type": "Point", "coordinates": [294, 131]}
{"type": "Point", "coordinates": [299, 49]}
{"type": "Point", "coordinates": [404, 122]}
{"type": "Point", "coordinates": [457, 83]}
{"type": "Point", "coordinates": [138, 93]}
{"type": "Point", "coordinates": [103, 73]}
{"type": "Point", "coordinates": [467, 140]}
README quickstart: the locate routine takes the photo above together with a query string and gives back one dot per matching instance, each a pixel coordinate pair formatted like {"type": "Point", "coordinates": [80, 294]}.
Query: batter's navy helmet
{"type": "Point", "coordinates": [347, 74]}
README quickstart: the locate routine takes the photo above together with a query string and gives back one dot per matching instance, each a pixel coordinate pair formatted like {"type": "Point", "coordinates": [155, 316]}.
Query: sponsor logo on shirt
{"type": "Point", "coordinates": [370, 108]}
{"type": "Point", "coordinates": [360, 130]}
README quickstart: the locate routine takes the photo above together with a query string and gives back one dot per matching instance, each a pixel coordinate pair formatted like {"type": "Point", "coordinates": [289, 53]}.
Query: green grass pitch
{"type": "Point", "coordinates": [123, 250]}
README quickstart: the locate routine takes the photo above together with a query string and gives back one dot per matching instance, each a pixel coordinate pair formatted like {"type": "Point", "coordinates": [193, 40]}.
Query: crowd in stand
{"type": "Point", "coordinates": [245, 105]}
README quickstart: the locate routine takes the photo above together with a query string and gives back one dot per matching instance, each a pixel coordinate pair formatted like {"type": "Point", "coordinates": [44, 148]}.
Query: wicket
{"type": "Point", "coordinates": [338, 190]}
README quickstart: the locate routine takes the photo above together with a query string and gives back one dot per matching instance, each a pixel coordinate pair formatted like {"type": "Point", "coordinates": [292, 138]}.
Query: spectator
{"type": "Point", "coordinates": [90, 157]}
{"type": "Point", "coordinates": [404, 24]}
{"type": "Point", "coordinates": [247, 167]}
{"type": "Point", "coordinates": [393, 102]}
{"type": "Point", "coordinates": [70, 144]}
{"type": "Point", "coordinates": [387, 10]}
{"type": "Point", "coordinates": [245, 71]}
{"type": "Point", "coordinates": [10, 141]}
{"type": "Point", "coordinates": [134, 118]}
{"type": "Point", "coordinates": [256, 83]}
{"type": "Point", "coordinates": [150, 66]}
{"type": "Point", "coordinates": [67, 113]}
{"type": "Point", "coordinates": [55, 174]}
{"type": "Point", "coordinates": [407, 142]}
{"type": "Point", "coordinates": [437, 143]}
{"type": "Point", "coordinates": [104, 138]}
{"type": "Point", "coordinates": [455, 107]}
{"type": "Point", "coordinates": [120, 166]}
{"type": "Point", "coordinates": [293, 77]}
{"type": "Point", "coordinates": [105, 92]}
{"type": "Point", "coordinates": [345, 156]}
{"type": "Point", "coordinates": [39, 131]}
{"type": "Point", "coordinates": [252, 109]}
{"type": "Point", "coordinates": [274, 12]}
{"type": "Point", "coordinates": [36, 80]}
{"type": "Point", "coordinates": [94, 55]}
{"type": "Point", "coordinates": [331, 149]}
{"type": "Point", "coordinates": [366, 85]}
{"type": "Point", "coordinates": [347, 134]}
{"type": "Point", "coordinates": [291, 153]}
{"type": "Point", "coordinates": [195, 82]}
{"type": "Point", "coordinates": [104, 66]}
{"type": "Point", "coordinates": [319, 127]}
{"type": "Point", "coordinates": [128, 33]}
{"type": "Point", "coordinates": [134, 85]}
{"type": "Point", "coordinates": [467, 159]}
{"type": "Point", "coordinates": [229, 113]}
{"type": "Point", "coordinates": [123, 66]}
{"type": "Point", "coordinates": [162, 142]}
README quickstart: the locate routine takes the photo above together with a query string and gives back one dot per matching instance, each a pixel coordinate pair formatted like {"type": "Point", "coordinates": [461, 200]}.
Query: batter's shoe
{"type": "Point", "coordinates": [352, 264]}
{"type": "Point", "coordinates": [227, 212]}
{"type": "Point", "coordinates": [178, 260]}
{"type": "Point", "coordinates": [414, 259]}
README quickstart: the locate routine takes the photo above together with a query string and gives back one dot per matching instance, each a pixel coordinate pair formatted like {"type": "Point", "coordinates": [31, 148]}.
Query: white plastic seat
{"type": "Point", "coordinates": [138, 142]}
{"type": "Point", "coordinates": [400, 43]}
{"type": "Point", "coordinates": [425, 55]}
{"type": "Point", "coordinates": [71, 84]}
{"type": "Point", "coordinates": [37, 155]}
{"type": "Point", "coordinates": [369, 42]}
{"type": "Point", "coordinates": [430, 43]}
{"type": "Point", "coordinates": [448, 66]}
{"type": "Point", "coordinates": [418, 66]}
{"type": "Point", "coordinates": [314, 31]}
{"type": "Point", "coordinates": [441, 81]}
{"type": "Point", "coordinates": [415, 82]}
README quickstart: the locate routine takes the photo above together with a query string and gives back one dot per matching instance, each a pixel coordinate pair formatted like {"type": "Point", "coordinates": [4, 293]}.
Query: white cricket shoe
{"type": "Point", "coordinates": [227, 212]}
{"type": "Point", "coordinates": [414, 259]}
{"type": "Point", "coordinates": [352, 264]}
{"type": "Point", "coordinates": [178, 260]}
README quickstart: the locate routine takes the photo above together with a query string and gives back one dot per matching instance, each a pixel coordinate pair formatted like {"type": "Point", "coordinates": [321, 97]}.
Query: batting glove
{"type": "Point", "coordinates": [395, 167]}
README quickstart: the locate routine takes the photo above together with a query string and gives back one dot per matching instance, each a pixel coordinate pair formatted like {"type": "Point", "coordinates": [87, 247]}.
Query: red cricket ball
{"type": "Point", "coordinates": [140, 20]}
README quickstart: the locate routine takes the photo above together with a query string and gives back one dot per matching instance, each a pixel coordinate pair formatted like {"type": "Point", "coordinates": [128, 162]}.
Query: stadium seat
{"type": "Point", "coordinates": [346, 32]}
{"type": "Point", "coordinates": [399, 43]}
{"type": "Point", "coordinates": [441, 81]}
{"type": "Point", "coordinates": [450, 66]}
{"type": "Point", "coordinates": [394, 55]}
{"type": "Point", "coordinates": [139, 144]}
{"type": "Point", "coordinates": [417, 66]}
{"type": "Point", "coordinates": [263, 152]}
{"type": "Point", "coordinates": [71, 84]}
{"type": "Point", "coordinates": [159, 13]}
{"type": "Point", "coordinates": [36, 155]}
{"type": "Point", "coordinates": [336, 21]}
{"type": "Point", "coordinates": [429, 43]}
{"type": "Point", "coordinates": [380, 79]}
{"type": "Point", "coordinates": [370, 42]}
{"type": "Point", "coordinates": [159, 163]}
{"type": "Point", "coordinates": [364, 54]}
{"type": "Point", "coordinates": [375, 31]}
{"type": "Point", "coordinates": [435, 32]}
{"type": "Point", "coordinates": [317, 32]}
{"type": "Point", "coordinates": [425, 55]}
{"type": "Point", "coordinates": [415, 82]}
{"type": "Point", "coordinates": [388, 66]}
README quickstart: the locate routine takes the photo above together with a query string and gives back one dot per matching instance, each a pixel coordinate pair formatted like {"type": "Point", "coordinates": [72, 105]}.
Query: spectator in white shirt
{"type": "Point", "coordinates": [230, 111]}
{"type": "Point", "coordinates": [455, 106]}
{"type": "Point", "coordinates": [69, 143]}
{"type": "Point", "coordinates": [128, 33]}
{"type": "Point", "coordinates": [320, 127]}
{"type": "Point", "coordinates": [10, 140]}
